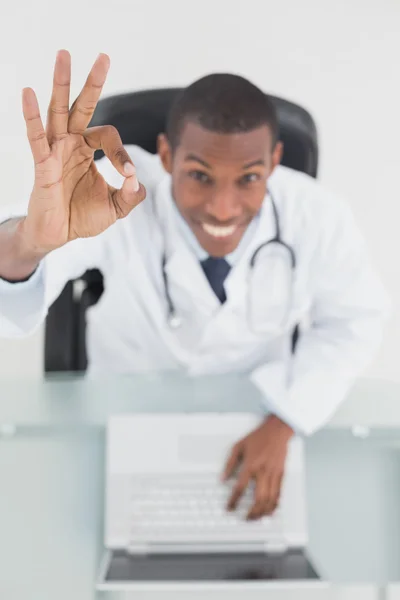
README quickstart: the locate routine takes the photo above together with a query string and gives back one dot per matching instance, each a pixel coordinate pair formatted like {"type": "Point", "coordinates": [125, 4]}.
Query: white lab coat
{"type": "Point", "coordinates": [336, 295]}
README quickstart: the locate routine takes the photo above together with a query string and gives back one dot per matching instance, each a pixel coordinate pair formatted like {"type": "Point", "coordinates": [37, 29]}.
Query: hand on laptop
{"type": "Point", "coordinates": [261, 457]}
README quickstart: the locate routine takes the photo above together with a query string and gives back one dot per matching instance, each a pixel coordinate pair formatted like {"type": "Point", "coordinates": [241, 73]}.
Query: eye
{"type": "Point", "coordinates": [199, 176]}
{"type": "Point", "coordinates": [249, 178]}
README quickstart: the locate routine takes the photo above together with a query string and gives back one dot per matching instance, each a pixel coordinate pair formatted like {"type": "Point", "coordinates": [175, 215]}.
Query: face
{"type": "Point", "coordinates": [219, 181]}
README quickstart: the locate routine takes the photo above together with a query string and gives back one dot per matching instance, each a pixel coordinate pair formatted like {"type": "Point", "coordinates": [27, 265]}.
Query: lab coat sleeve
{"type": "Point", "coordinates": [347, 318]}
{"type": "Point", "coordinates": [24, 306]}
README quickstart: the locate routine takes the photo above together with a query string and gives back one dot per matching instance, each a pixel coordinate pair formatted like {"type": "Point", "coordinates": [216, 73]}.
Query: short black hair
{"type": "Point", "coordinates": [222, 103]}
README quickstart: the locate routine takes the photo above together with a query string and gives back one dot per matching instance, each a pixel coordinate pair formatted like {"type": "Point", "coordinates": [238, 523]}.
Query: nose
{"type": "Point", "coordinates": [224, 205]}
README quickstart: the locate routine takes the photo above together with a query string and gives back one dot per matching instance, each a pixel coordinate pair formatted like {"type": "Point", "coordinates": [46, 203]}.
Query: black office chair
{"type": "Point", "coordinates": [139, 118]}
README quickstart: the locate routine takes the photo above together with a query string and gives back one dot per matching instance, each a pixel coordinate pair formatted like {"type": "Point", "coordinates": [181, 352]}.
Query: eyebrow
{"type": "Point", "coordinates": [197, 159]}
{"type": "Point", "coordinates": [254, 163]}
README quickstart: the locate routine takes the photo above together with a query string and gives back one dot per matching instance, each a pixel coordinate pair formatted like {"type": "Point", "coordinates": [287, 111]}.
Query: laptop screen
{"type": "Point", "coordinates": [292, 565]}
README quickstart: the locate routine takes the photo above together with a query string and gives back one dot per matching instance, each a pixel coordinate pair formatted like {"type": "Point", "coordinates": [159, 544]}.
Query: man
{"type": "Point", "coordinates": [195, 253]}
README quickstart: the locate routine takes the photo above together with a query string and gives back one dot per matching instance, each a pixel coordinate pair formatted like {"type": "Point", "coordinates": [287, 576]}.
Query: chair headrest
{"type": "Point", "coordinates": [141, 116]}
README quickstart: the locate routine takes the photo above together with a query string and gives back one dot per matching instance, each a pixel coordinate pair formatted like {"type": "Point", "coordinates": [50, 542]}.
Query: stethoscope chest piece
{"type": "Point", "coordinates": [174, 321]}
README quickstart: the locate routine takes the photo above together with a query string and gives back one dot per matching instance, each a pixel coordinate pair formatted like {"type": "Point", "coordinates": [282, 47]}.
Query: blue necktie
{"type": "Point", "coordinates": [216, 271]}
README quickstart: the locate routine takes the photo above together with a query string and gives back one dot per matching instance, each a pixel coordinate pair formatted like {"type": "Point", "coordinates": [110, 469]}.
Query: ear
{"type": "Point", "coordinates": [165, 152]}
{"type": "Point", "coordinates": [277, 155]}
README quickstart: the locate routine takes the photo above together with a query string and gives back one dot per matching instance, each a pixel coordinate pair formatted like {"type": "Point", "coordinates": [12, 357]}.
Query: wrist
{"type": "Point", "coordinates": [285, 431]}
{"type": "Point", "coordinates": [19, 258]}
{"type": "Point", "coordinates": [27, 250]}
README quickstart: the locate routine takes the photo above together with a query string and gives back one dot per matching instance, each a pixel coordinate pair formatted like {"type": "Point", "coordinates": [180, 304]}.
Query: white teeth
{"type": "Point", "coordinates": [218, 231]}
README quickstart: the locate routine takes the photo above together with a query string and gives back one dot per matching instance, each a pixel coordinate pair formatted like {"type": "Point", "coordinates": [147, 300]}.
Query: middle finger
{"type": "Point", "coordinates": [239, 488]}
{"type": "Point", "coordinates": [58, 111]}
{"type": "Point", "coordinates": [260, 496]}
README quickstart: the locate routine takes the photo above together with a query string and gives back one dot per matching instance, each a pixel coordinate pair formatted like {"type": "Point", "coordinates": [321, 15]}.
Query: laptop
{"type": "Point", "coordinates": [165, 507]}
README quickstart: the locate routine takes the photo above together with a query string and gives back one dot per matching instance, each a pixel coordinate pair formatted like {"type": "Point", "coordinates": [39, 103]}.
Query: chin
{"type": "Point", "coordinates": [220, 247]}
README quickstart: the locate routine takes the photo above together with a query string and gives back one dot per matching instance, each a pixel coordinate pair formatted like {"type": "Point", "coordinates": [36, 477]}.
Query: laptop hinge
{"type": "Point", "coordinates": [275, 547]}
{"type": "Point", "coordinates": [138, 549]}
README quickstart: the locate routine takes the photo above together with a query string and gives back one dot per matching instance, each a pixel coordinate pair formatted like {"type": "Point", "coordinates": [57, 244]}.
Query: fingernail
{"type": "Point", "coordinates": [129, 169]}
{"type": "Point", "coordinates": [133, 183]}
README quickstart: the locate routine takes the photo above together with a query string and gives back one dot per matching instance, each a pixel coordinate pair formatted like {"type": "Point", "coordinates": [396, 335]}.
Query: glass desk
{"type": "Point", "coordinates": [52, 483]}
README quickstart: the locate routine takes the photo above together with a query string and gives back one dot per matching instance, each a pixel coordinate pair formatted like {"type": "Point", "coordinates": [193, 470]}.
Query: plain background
{"type": "Point", "coordinates": [338, 59]}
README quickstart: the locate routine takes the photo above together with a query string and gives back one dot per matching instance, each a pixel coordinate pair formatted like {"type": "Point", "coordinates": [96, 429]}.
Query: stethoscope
{"type": "Point", "coordinates": [175, 321]}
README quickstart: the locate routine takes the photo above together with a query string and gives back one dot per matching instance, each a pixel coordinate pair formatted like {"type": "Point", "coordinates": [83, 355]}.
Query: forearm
{"type": "Point", "coordinates": [327, 362]}
{"type": "Point", "coordinates": [18, 259]}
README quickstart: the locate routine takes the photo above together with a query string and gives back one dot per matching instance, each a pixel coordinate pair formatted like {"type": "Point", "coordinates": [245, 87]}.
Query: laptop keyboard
{"type": "Point", "coordinates": [187, 509]}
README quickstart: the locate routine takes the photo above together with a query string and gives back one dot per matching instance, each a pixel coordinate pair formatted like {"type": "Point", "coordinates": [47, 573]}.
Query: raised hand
{"type": "Point", "coordinates": [70, 199]}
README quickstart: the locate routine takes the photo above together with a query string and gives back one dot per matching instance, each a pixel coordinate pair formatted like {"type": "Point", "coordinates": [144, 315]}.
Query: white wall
{"type": "Point", "coordinates": [338, 59]}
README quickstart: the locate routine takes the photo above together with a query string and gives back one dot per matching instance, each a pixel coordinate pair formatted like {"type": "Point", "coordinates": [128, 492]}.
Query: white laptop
{"type": "Point", "coordinates": [165, 506]}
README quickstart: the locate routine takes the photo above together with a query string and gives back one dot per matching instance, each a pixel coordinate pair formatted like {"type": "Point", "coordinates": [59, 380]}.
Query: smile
{"type": "Point", "coordinates": [219, 231]}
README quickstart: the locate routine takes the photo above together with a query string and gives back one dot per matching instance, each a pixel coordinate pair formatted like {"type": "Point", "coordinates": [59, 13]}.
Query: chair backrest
{"type": "Point", "coordinates": [139, 118]}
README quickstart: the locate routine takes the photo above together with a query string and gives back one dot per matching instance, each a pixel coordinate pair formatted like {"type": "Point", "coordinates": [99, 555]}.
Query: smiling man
{"type": "Point", "coordinates": [219, 181]}
{"type": "Point", "coordinates": [212, 272]}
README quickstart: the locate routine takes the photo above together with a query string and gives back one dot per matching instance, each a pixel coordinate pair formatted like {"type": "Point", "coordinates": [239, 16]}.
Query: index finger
{"type": "Point", "coordinates": [232, 462]}
{"type": "Point", "coordinates": [107, 138]}
{"type": "Point", "coordinates": [84, 106]}
{"type": "Point", "coordinates": [274, 493]}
